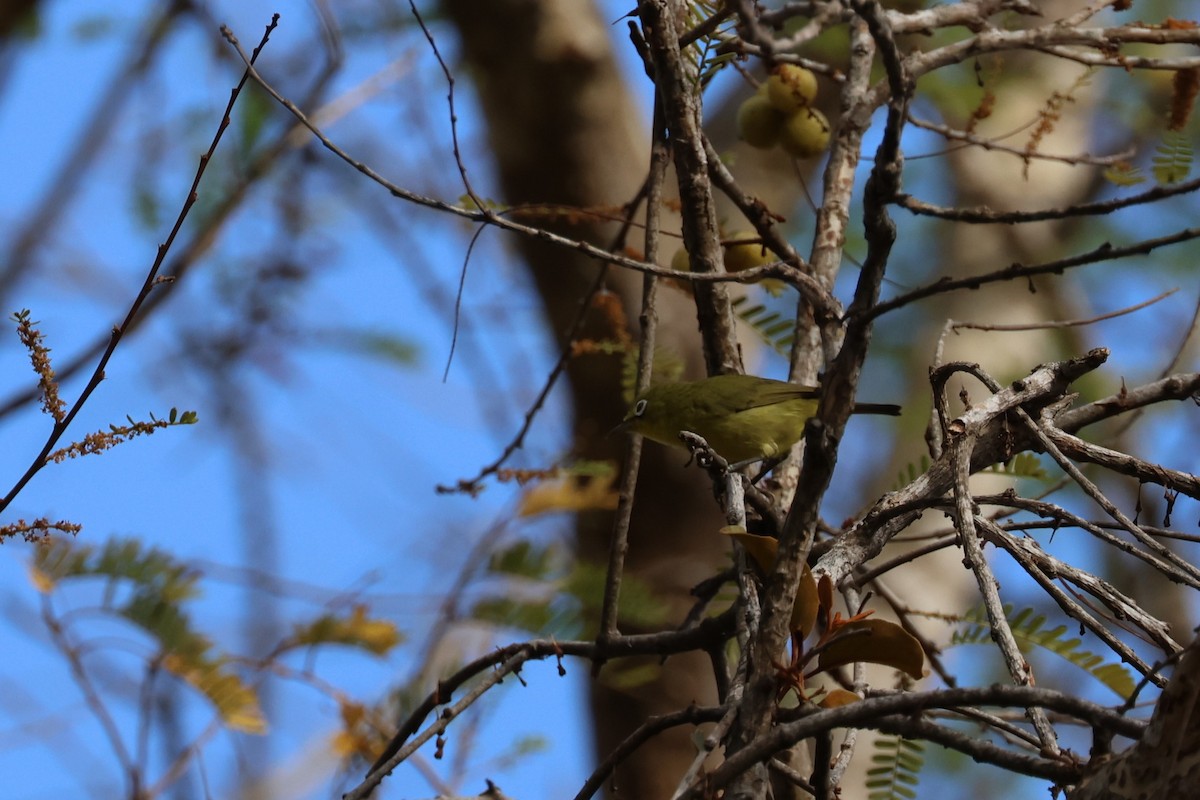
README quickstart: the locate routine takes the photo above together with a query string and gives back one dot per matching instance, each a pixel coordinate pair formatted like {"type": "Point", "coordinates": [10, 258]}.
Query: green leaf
{"type": "Point", "coordinates": [1124, 174]}
{"type": "Point", "coordinates": [518, 750]}
{"type": "Point", "coordinates": [641, 605]}
{"type": "Point", "coordinates": [629, 674]}
{"type": "Point", "coordinates": [523, 559]}
{"type": "Point", "coordinates": [387, 347]}
{"type": "Point", "coordinates": [159, 587]}
{"type": "Point", "coordinates": [1028, 628]}
{"type": "Point", "coordinates": [668, 368]}
{"type": "Point", "coordinates": [254, 108]}
{"type": "Point", "coordinates": [1022, 465]}
{"type": "Point", "coordinates": [899, 762]}
{"type": "Point", "coordinates": [146, 206]}
{"type": "Point", "coordinates": [166, 622]}
{"type": "Point", "coordinates": [774, 329]}
{"type": "Point", "coordinates": [236, 702]}
{"type": "Point", "coordinates": [486, 203]}
{"type": "Point", "coordinates": [911, 472]}
{"type": "Point", "coordinates": [355, 629]}
{"type": "Point", "coordinates": [537, 617]}
{"type": "Point", "coordinates": [1173, 159]}
{"type": "Point", "coordinates": [93, 28]}
{"type": "Point", "coordinates": [155, 571]}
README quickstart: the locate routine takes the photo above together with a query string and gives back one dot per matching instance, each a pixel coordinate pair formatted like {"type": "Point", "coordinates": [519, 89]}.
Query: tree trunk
{"type": "Point", "coordinates": [564, 129]}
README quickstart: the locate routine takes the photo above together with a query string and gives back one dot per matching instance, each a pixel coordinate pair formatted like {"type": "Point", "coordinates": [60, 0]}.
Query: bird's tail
{"type": "Point", "coordinates": [877, 408]}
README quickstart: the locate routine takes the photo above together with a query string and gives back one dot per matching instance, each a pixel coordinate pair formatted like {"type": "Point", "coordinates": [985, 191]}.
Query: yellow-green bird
{"type": "Point", "coordinates": [743, 417]}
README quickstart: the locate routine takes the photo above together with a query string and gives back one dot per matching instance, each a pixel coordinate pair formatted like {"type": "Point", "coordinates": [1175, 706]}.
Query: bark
{"type": "Point", "coordinates": [1166, 762]}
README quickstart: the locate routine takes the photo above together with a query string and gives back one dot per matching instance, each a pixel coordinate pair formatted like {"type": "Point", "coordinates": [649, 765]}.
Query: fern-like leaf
{"type": "Point", "coordinates": [524, 559]}
{"type": "Point", "coordinates": [1124, 174]}
{"type": "Point", "coordinates": [1022, 465]}
{"type": "Point", "coordinates": [775, 329]}
{"type": "Point", "coordinates": [898, 763]}
{"type": "Point", "coordinates": [355, 629]}
{"type": "Point", "coordinates": [668, 367]}
{"type": "Point", "coordinates": [1029, 628]}
{"type": "Point", "coordinates": [910, 472]}
{"type": "Point", "coordinates": [1173, 159]}
{"type": "Point", "coordinates": [119, 559]}
{"type": "Point", "coordinates": [709, 60]}
{"type": "Point", "coordinates": [529, 597]}
{"type": "Point", "coordinates": [234, 700]}
{"type": "Point", "coordinates": [159, 585]}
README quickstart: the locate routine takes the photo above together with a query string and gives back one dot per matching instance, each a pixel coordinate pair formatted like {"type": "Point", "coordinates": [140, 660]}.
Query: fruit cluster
{"type": "Point", "coordinates": [780, 113]}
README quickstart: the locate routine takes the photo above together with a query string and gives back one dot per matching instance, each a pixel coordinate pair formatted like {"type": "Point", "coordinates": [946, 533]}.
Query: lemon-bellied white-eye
{"type": "Point", "coordinates": [744, 418]}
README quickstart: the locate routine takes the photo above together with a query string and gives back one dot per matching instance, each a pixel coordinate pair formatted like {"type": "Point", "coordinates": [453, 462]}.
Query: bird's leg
{"type": "Point", "coordinates": [768, 464]}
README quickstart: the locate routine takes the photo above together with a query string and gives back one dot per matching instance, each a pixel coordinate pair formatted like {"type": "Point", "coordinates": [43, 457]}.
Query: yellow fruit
{"type": "Point", "coordinates": [743, 251]}
{"type": "Point", "coordinates": [805, 133]}
{"type": "Point", "coordinates": [759, 122]}
{"type": "Point", "coordinates": [680, 262]}
{"type": "Point", "coordinates": [791, 87]}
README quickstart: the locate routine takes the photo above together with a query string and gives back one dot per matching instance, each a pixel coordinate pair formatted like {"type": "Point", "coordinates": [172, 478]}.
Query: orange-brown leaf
{"type": "Point", "coordinates": [838, 698]}
{"type": "Point", "coordinates": [762, 551]}
{"type": "Point", "coordinates": [874, 641]}
{"type": "Point", "coordinates": [804, 612]}
{"type": "Point", "coordinates": [825, 593]}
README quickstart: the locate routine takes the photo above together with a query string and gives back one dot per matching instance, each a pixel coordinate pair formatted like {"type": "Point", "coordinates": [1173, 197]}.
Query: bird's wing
{"type": "Point", "coordinates": [778, 393]}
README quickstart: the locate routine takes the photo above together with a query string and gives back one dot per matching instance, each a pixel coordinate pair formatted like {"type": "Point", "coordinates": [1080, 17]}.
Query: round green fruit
{"type": "Point", "coordinates": [791, 87]}
{"type": "Point", "coordinates": [744, 250]}
{"type": "Point", "coordinates": [759, 122]}
{"type": "Point", "coordinates": [680, 262]}
{"type": "Point", "coordinates": [805, 133]}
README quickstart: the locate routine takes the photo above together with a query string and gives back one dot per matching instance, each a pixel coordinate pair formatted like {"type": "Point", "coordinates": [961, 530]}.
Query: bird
{"type": "Point", "coordinates": [744, 418]}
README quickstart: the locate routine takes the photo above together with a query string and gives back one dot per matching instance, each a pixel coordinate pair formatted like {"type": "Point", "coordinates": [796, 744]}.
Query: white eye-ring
{"type": "Point", "coordinates": [639, 407]}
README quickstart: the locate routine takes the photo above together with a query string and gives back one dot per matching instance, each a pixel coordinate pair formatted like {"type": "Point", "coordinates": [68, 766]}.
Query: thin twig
{"type": "Point", "coordinates": [872, 711]}
{"type": "Point", "coordinates": [648, 324]}
{"type": "Point", "coordinates": [1022, 675]}
{"type": "Point", "coordinates": [1103, 253]}
{"type": "Point", "coordinates": [511, 665]}
{"type": "Point", "coordinates": [1064, 323]}
{"type": "Point", "coordinates": [148, 285]}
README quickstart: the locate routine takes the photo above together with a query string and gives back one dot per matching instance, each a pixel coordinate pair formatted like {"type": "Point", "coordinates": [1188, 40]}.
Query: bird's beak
{"type": "Point", "coordinates": [623, 425]}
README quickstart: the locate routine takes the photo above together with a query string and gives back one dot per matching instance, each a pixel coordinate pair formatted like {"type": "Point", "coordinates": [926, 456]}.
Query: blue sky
{"type": "Point", "coordinates": [354, 444]}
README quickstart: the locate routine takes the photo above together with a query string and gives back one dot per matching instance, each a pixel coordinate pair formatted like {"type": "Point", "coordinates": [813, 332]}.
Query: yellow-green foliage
{"type": "Point", "coordinates": [897, 765]}
{"type": "Point", "coordinates": [1029, 629]}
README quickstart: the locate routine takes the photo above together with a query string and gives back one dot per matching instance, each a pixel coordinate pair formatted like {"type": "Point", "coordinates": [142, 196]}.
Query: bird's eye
{"type": "Point", "coordinates": [639, 407]}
